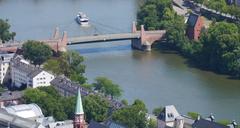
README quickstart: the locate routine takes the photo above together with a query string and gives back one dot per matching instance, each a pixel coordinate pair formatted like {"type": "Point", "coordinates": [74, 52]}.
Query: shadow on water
{"type": "Point", "coordinates": [165, 48]}
{"type": "Point", "coordinates": [92, 50]}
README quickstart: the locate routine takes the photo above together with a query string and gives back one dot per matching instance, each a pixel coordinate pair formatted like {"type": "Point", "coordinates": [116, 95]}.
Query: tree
{"type": "Point", "coordinates": [107, 87]}
{"type": "Point", "coordinates": [95, 108]}
{"type": "Point", "coordinates": [218, 5]}
{"type": "Point", "coordinates": [133, 116]}
{"type": "Point", "coordinates": [5, 34]}
{"type": "Point", "coordinates": [69, 64]}
{"type": "Point", "coordinates": [152, 123]}
{"type": "Point", "coordinates": [220, 50]}
{"type": "Point", "coordinates": [193, 115]}
{"type": "Point", "coordinates": [37, 52]}
{"type": "Point", "coordinates": [49, 101]}
{"type": "Point", "coordinates": [53, 65]}
{"type": "Point", "coordinates": [157, 111]}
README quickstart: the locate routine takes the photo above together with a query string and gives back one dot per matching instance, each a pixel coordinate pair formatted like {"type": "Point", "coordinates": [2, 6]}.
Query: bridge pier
{"type": "Point", "coordinates": [141, 43]}
{"type": "Point", "coordinates": [137, 44]}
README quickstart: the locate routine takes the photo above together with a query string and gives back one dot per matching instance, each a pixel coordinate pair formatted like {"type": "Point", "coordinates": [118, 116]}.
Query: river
{"type": "Point", "coordinates": [158, 78]}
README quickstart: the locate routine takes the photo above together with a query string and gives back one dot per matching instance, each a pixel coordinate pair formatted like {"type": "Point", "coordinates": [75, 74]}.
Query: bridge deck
{"type": "Point", "coordinates": [100, 38]}
{"type": "Point", "coordinates": [108, 37]}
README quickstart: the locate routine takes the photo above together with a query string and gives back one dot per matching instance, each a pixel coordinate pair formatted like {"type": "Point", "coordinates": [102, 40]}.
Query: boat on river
{"type": "Point", "coordinates": [82, 19]}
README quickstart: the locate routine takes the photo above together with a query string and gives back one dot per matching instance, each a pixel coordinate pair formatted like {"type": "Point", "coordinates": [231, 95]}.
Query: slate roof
{"type": "Point", "coordinates": [94, 124]}
{"type": "Point", "coordinates": [113, 124]}
{"type": "Point", "coordinates": [192, 20]}
{"type": "Point", "coordinates": [29, 69]}
{"type": "Point", "coordinates": [203, 123]}
{"type": "Point", "coordinates": [8, 95]}
{"type": "Point", "coordinates": [63, 83]}
{"type": "Point", "coordinates": [66, 84]}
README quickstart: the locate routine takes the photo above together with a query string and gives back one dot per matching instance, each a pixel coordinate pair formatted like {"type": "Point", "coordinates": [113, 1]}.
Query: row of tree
{"type": "Point", "coordinates": [95, 108]}
{"type": "Point", "coordinates": [218, 48]}
{"type": "Point", "coordinates": [62, 108]}
{"type": "Point", "coordinates": [221, 6]}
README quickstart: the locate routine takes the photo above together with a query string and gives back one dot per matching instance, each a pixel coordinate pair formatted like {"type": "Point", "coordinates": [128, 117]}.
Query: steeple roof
{"type": "Point", "coordinates": [79, 107]}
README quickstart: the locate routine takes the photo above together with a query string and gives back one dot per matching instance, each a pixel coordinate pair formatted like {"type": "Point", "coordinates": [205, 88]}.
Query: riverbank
{"type": "Point", "coordinates": [213, 51]}
{"type": "Point", "coordinates": [157, 78]}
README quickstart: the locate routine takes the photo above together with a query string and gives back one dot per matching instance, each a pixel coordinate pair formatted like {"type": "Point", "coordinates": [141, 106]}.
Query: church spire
{"type": "Point", "coordinates": [79, 107]}
{"type": "Point", "coordinates": [79, 121]}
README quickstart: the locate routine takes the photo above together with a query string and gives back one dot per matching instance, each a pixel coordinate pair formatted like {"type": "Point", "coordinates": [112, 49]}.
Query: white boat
{"type": "Point", "coordinates": [82, 19]}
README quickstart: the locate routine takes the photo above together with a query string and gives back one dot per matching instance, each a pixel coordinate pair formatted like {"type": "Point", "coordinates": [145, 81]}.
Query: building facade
{"type": "Point", "coordinates": [66, 87]}
{"type": "Point", "coordinates": [194, 26]}
{"type": "Point", "coordinates": [4, 66]}
{"type": "Point", "coordinates": [23, 74]}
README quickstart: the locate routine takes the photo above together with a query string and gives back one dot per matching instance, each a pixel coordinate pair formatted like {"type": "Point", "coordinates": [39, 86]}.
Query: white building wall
{"type": "Point", "coordinates": [4, 67]}
{"type": "Point", "coordinates": [18, 77]}
{"type": "Point", "coordinates": [3, 71]}
{"type": "Point", "coordinates": [42, 79]}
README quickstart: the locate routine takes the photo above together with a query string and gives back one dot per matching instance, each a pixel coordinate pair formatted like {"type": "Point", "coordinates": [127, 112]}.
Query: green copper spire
{"type": "Point", "coordinates": [79, 107]}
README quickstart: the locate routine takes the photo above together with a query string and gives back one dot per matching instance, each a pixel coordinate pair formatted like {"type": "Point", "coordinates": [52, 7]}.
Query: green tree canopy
{"type": "Point", "coordinates": [5, 34]}
{"type": "Point", "coordinates": [37, 52]}
{"type": "Point", "coordinates": [107, 87]}
{"type": "Point", "coordinates": [133, 116]}
{"type": "Point", "coordinates": [221, 48]}
{"type": "Point", "coordinates": [95, 108]}
{"type": "Point", "coordinates": [69, 64]}
{"type": "Point", "coordinates": [157, 111]}
{"type": "Point", "coordinates": [193, 115]}
{"type": "Point", "coordinates": [49, 101]}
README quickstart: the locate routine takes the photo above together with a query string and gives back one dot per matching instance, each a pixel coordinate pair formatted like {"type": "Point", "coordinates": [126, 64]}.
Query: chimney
{"type": "Point", "coordinates": [234, 123]}
{"type": "Point", "coordinates": [212, 118]}
{"type": "Point", "coordinates": [179, 122]}
{"type": "Point", "coordinates": [198, 118]}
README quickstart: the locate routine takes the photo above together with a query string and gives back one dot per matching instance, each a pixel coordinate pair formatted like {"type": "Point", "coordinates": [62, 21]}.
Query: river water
{"type": "Point", "coordinates": [158, 78]}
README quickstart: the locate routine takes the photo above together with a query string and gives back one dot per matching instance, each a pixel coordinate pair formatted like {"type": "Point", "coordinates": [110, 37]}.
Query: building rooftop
{"type": "Point", "coordinates": [66, 84]}
{"type": "Point", "coordinates": [192, 20]}
{"type": "Point", "coordinates": [30, 111]}
{"type": "Point", "coordinates": [6, 57]}
{"type": "Point", "coordinates": [169, 113]}
{"type": "Point", "coordinates": [8, 95]}
{"type": "Point", "coordinates": [203, 123]}
{"type": "Point", "coordinates": [13, 120]}
{"type": "Point", "coordinates": [94, 124]}
{"type": "Point", "coordinates": [24, 66]}
{"type": "Point", "coordinates": [79, 107]}
{"type": "Point", "coordinates": [61, 124]}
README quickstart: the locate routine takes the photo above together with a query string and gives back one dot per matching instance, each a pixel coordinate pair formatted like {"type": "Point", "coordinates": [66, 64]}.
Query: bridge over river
{"type": "Point", "coordinates": [141, 40]}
